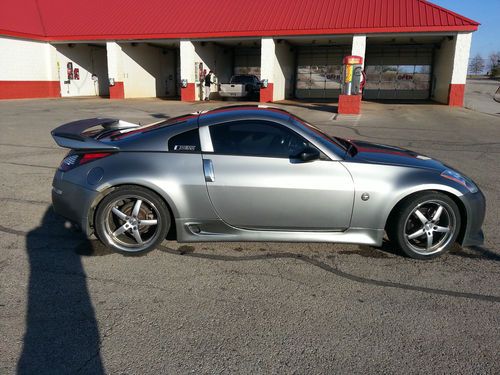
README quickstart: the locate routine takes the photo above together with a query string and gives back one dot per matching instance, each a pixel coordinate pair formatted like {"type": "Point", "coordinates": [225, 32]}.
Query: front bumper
{"type": "Point", "coordinates": [475, 205]}
{"type": "Point", "coordinates": [73, 202]}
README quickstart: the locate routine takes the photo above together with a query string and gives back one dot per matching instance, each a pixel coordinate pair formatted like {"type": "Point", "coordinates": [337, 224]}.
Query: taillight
{"type": "Point", "coordinates": [74, 160]}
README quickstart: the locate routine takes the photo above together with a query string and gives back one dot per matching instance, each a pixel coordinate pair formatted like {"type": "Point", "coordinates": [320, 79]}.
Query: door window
{"type": "Point", "coordinates": [256, 138]}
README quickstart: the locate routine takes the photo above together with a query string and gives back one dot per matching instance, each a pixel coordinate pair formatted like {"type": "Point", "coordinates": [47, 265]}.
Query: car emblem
{"type": "Point", "coordinates": [365, 196]}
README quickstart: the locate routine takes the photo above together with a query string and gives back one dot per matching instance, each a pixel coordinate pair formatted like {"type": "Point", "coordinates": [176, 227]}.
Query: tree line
{"type": "Point", "coordinates": [478, 65]}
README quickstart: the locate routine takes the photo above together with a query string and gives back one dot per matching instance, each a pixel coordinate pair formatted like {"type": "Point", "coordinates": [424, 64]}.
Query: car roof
{"type": "Point", "coordinates": [238, 112]}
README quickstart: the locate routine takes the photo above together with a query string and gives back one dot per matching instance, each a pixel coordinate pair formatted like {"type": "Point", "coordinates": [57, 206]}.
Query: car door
{"type": "Point", "coordinates": [255, 182]}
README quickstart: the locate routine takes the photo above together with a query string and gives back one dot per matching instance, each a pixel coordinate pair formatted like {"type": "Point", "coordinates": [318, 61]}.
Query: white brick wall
{"type": "Point", "coordinates": [147, 71]}
{"type": "Point", "coordinates": [24, 60]}
{"type": "Point", "coordinates": [88, 60]}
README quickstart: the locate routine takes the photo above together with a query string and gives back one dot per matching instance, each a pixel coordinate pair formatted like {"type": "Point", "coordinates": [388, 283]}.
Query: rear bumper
{"type": "Point", "coordinates": [73, 202]}
{"type": "Point", "coordinates": [475, 204]}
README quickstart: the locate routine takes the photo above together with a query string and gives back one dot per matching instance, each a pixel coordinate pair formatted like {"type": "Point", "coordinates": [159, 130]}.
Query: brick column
{"type": "Point", "coordinates": [115, 70]}
{"type": "Point", "coordinates": [187, 56]}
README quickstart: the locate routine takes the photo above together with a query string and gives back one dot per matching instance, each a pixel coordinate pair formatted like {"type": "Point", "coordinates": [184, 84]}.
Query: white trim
{"type": "Point", "coordinates": [206, 139]}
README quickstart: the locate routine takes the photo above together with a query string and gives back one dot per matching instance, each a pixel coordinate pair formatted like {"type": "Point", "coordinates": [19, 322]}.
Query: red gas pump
{"type": "Point", "coordinates": [352, 85]}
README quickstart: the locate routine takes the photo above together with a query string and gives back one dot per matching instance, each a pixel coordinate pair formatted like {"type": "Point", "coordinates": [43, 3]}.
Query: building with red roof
{"type": "Point", "coordinates": [411, 49]}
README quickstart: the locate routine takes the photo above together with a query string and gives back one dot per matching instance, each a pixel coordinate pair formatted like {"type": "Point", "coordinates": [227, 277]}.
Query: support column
{"type": "Point", "coordinates": [187, 56]}
{"type": "Point", "coordinates": [267, 62]}
{"type": "Point", "coordinates": [359, 47]}
{"type": "Point", "coordinates": [115, 70]}
{"type": "Point", "coordinates": [450, 69]}
{"type": "Point", "coordinates": [456, 94]}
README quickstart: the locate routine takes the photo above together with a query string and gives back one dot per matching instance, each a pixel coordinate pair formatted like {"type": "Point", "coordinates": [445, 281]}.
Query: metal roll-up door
{"type": "Point", "coordinates": [398, 72]}
{"type": "Point", "coordinates": [319, 72]}
{"type": "Point", "coordinates": [247, 61]}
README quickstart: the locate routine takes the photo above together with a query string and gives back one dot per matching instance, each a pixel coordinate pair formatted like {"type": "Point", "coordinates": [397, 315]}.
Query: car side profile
{"type": "Point", "coordinates": [253, 173]}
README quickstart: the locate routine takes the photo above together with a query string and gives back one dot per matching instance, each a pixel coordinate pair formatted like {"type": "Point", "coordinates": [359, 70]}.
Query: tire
{"type": "Point", "coordinates": [126, 226]}
{"type": "Point", "coordinates": [425, 225]}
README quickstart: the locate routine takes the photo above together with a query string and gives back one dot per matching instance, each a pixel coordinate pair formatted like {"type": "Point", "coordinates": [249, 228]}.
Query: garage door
{"type": "Point", "coordinates": [247, 61]}
{"type": "Point", "coordinates": [319, 72]}
{"type": "Point", "coordinates": [398, 72]}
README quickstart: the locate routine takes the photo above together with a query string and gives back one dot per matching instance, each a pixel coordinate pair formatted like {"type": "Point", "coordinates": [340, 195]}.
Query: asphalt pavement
{"type": "Point", "coordinates": [69, 305]}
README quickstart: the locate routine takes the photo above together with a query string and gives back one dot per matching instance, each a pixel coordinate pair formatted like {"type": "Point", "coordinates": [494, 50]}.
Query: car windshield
{"type": "Point", "coordinates": [340, 142]}
{"type": "Point", "coordinates": [242, 79]}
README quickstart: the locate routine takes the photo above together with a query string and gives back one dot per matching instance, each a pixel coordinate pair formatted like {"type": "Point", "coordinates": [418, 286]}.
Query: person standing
{"type": "Point", "coordinates": [209, 80]}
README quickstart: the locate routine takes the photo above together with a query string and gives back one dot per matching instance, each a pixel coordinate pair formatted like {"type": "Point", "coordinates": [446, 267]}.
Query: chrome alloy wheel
{"type": "Point", "coordinates": [430, 227]}
{"type": "Point", "coordinates": [131, 223]}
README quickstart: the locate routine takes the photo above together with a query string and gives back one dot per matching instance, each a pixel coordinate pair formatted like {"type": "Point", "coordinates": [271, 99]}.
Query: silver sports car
{"type": "Point", "coordinates": [252, 173]}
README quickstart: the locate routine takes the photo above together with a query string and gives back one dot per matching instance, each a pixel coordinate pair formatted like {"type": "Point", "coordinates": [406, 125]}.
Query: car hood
{"type": "Point", "coordinates": [367, 152]}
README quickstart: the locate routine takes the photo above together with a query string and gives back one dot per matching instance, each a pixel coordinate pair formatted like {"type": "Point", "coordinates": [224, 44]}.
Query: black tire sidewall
{"type": "Point", "coordinates": [160, 205]}
{"type": "Point", "coordinates": [397, 227]}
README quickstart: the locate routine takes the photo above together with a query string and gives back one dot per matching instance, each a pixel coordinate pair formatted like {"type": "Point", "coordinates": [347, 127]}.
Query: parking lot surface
{"type": "Point", "coordinates": [68, 305]}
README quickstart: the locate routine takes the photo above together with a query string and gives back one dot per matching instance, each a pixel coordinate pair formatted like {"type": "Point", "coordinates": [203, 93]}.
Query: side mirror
{"type": "Point", "coordinates": [309, 154]}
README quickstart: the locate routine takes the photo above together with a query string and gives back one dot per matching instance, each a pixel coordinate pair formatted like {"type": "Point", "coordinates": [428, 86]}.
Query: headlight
{"type": "Point", "coordinates": [462, 180]}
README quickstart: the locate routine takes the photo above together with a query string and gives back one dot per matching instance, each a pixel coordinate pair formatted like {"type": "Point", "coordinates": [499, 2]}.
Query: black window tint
{"type": "Point", "coordinates": [185, 142]}
{"type": "Point", "coordinates": [256, 138]}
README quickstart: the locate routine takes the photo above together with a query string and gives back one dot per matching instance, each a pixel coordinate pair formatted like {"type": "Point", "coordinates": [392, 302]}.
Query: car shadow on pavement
{"type": "Point", "coordinates": [62, 335]}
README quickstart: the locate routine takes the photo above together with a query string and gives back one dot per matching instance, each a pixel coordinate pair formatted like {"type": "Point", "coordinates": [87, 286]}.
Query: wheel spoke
{"type": "Point", "coordinates": [120, 230]}
{"type": "Point", "coordinates": [421, 217]}
{"type": "Point", "coordinates": [148, 222]}
{"type": "Point", "coordinates": [416, 234]}
{"type": "Point", "coordinates": [137, 207]}
{"type": "Point", "coordinates": [118, 213]}
{"type": "Point", "coordinates": [441, 229]}
{"type": "Point", "coordinates": [430, 240]}
{"type": "Point", "coordinates": [437, 214]}
{"type": "Point", "coordinates": [137, 236]}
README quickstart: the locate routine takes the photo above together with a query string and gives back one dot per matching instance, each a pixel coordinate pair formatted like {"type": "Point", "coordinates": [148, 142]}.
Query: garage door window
{"type": "Point", "coordinates": [398, 72]}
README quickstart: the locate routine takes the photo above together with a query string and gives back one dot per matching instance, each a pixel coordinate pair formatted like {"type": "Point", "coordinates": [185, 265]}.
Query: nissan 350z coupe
{"type": "Point", "coordinates": [251, 173]}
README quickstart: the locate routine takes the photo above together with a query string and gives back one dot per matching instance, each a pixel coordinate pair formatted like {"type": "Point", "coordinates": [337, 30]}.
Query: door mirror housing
{"type": "Point", "coordinates": [309, 154]}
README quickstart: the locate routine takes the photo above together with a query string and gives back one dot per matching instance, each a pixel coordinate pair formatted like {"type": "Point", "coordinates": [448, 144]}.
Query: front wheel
{"type": "Point", "coordinates": [425, 226]}
{"type": "Point", "coordinates": [132, 220]}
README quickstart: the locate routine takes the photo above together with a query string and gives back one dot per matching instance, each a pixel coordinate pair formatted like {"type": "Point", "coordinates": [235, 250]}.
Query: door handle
{"type": "Point", "coordinates": [208, 170]}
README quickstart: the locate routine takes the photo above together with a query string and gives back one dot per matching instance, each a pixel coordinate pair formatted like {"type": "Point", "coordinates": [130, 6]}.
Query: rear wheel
{"type": "Point", "coordinates": [132, 219]}
{"type": "Point", "coordinates": [425, 226]}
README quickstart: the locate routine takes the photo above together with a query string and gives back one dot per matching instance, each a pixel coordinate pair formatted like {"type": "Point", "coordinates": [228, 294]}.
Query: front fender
{"type": "Point", "coordinates": [386, 186]}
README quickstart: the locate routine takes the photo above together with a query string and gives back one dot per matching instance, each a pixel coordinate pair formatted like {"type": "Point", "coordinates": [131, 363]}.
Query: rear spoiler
{"type": "Point", "coordinates": [70, 135]}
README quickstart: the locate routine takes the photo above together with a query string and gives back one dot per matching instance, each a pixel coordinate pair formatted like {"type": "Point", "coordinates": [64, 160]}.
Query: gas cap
{"type": "Point", "coordinates": [365, 196]}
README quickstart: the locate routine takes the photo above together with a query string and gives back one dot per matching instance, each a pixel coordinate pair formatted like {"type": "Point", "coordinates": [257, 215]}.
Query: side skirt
{"type": "Point", "coordinates": [216, 230]}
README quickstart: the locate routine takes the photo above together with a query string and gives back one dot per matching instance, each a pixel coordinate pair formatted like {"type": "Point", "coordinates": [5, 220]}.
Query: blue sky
{"type": "Point", "coordinates": [487, 12]}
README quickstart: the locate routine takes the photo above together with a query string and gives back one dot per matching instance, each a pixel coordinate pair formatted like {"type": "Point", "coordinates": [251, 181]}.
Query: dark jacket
{"type": "Point", "coordinates": [208, 79]}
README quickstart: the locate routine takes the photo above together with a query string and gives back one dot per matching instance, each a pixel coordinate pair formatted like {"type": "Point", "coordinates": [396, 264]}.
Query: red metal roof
{"type": "Point", "coordinates": [150, 19]}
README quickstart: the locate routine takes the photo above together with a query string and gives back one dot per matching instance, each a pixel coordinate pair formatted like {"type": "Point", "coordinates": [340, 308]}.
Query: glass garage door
{"type": "Point", "coordinates": [398, 73]}
{"type": "Point", "coordinates": [319, 72]}
{"type": "Point", "coordinates": [247, 61]}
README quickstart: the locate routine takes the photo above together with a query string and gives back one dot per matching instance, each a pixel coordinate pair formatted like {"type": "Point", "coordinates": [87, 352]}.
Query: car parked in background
{"type": "Point", "coordinates": [252, 173]}
{"type": "Point", "coordinates": [241, 86]}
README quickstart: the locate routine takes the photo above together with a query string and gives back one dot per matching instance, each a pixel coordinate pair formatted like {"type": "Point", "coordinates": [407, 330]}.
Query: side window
{"type": "Point", "coordinates": [256, 138]}
{"type": "Point", "coordinates": [185, 142]}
